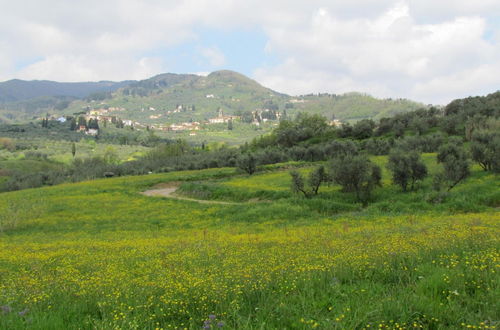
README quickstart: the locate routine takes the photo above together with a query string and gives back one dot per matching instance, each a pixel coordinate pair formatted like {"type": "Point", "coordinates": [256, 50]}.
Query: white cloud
{"type": "Point", "coordinates": [214, 56]}
{"type": "Point", "coordinates": [425, 49]}
{"type": "Point", "coordinates": [66, 68]}
{"type": "Point", "coordinates": [389, 55]}
{"type": "Point", "coordinates": [201, 73]}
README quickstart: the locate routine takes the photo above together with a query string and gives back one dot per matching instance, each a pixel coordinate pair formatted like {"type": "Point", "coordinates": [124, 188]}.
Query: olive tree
{"type": "Point", "coordinates": [356, 174]}
{"type": "Point", "coordinates": [455, 166]}
{"type": "Point", "coordinates": [315, 179]}
{"type": "Point", "coordinates": [407, 168]}
{"type": "Point", "coordinates": [485, 149]}
{"type": "Point", "coordinates": [247, 163]}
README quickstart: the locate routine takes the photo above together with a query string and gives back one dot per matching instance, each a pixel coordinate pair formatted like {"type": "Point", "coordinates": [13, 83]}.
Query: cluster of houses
{"type": "Point", "coordinates": [88, 131]}
{"type": "Point", "coordinates": [221, 118]}
{"type": "Point", "coordinates": [105, 115]}
{"type": "Point", "coordinates": [335, 122]}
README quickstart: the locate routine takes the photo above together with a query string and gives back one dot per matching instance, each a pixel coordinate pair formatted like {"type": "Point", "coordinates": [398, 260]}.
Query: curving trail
{"type": "Point", "coordinates": [168, 190]}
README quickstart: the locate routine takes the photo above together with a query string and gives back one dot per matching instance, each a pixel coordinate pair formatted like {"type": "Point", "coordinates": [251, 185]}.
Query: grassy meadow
{"type": "Point", "coordinates": [61, 151]}
{"type": "Point", "coordinates": [40, 155]}
{"type": "Point", "coordinates": [99, 255]}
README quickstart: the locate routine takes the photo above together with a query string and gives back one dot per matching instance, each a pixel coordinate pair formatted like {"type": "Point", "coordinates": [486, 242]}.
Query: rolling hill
{"type": "Point", "coordinates": [21, 100]}
{"type": "Point", "coordinates": [173, 98]}
{"type": "Point", "coordinates": [20, 90]}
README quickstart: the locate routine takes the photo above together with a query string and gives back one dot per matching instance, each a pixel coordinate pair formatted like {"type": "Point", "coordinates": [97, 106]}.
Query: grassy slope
{"type": "Point", "coordinates": [477, 195]}
{"type": "Point", "coordinates": [100, 255]}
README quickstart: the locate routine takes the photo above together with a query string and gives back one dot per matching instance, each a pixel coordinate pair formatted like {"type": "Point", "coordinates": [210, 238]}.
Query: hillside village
{"type": "Point", "coordinates": [115, 116]}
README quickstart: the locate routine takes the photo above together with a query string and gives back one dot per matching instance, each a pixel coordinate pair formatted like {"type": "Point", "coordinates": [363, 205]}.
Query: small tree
{"type": "Point", "coordinates": [485, 149]}
{"type": "Point", "coordinates": [406, 168]}
{"type": "Point", "coordinates": [455, 165]}
{"type": "Point", "coordinates": [73, 149]}
{"type": "Point", "coordinates": [247, 163]}
{"type": "Point", "coordinates": [110, 156]}
{"type": "Point", "coordinates": [6, 143]}
{"type": "Point", "coordinates": [363, 129]}
{"type": "Point", "coordinates": [316, 178]}
{"type": "Point", "coordinates": [356, 174]}
{"type": "Point", "coordinates": [419, 125]}
{"type": "Point", "coordinates": [230, 125]}
{"type": "Point", "coordinates": [399, 129]}
{"type": "Point", "coordinates": [298, 183]}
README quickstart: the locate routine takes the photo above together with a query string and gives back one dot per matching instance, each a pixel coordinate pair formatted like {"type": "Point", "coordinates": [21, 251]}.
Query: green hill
{"type": "Point", "coordinates": [174, 98]}
{"type": "Point", "coordinates": [199, 98]}
{"type": "Point", "coordinates": [20, 90]}
{"type": "Point", "coordinates": [22, 100]}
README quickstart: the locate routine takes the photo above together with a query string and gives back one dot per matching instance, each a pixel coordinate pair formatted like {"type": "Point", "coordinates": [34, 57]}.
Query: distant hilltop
{"type": "Point", "coordinates": [175, 98]}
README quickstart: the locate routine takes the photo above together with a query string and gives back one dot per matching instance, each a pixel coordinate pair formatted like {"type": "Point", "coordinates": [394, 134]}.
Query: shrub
{"type": "Point", "coordinates": [247, 163]}
{"type": "Point", "coordinates": [8, 144]}
{"type": "Point", "coordinates": [406, 168]}
{"type": "Point", "coordinates": [455, 165]}
{"type": "Point", "coordinates": [485, 149]}
{"type": "Point", "coordinates": [356, 174]}
{"type": "Point", "coordinates": [316, 178]}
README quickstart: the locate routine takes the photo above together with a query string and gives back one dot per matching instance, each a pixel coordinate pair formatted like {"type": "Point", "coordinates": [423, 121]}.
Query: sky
{"type": "Point", "coordinates": [426, 50]}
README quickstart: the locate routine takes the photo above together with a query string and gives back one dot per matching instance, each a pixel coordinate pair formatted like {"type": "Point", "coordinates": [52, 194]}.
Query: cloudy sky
{"type": "Point", "coordinates": [426, 50]}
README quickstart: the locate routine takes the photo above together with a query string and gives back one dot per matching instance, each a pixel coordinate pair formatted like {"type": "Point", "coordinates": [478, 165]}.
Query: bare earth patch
{"type": "Point", "coordinates": [168, 190]}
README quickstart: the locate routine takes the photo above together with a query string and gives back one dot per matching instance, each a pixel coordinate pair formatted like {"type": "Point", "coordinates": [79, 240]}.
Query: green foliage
{"type": "Point", "coordinates": [315, 179]}
{"type": "Point", "coordinates": [356, 174]}
{"type": "Point", "coordinates": [363, 129]}
{"type": "Point", "coordinates": [407, 168]}
{"type": "Point", "coordinates": [298, 183]}
{"type": "Point", "coordinates": [304, 127]}
{"type": "Point", "coordinates": [455, 163]}
{"type": "Point", "coordinates": [485, 149]}
{"type": "Point", "coordinates": [8, 144]}
{"type": "Point", "coordinates": [378, 146]}
{"type": "Point", "coordinates": [247, 163]}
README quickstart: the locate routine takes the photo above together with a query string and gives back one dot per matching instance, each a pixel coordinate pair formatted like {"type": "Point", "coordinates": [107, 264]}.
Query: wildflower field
{"type": "Point", "coordinates": [99, 255]}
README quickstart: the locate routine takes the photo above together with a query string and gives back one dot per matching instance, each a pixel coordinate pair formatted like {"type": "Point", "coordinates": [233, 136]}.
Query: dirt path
{"type": "Point", "coordinates": [168, 190]}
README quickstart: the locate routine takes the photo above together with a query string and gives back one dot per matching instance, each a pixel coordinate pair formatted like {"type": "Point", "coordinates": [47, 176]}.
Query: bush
{"type": "Point", "coordinates": [377, 146]}
{"type": "Point", "coordinates": [8, 144]}
{"type": "Point", "coordinates": [316, 178]}
{"type": "Point", "coordinates": [247, 163]}
{"type": "Point", "coordinates": [356, 174]}
{"type": "Point", "coordinates": [485, 149]}
{"type": "Point", "coordinates": [407, 168]}
{"type": "Point", "coordinates": [455, 165]}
